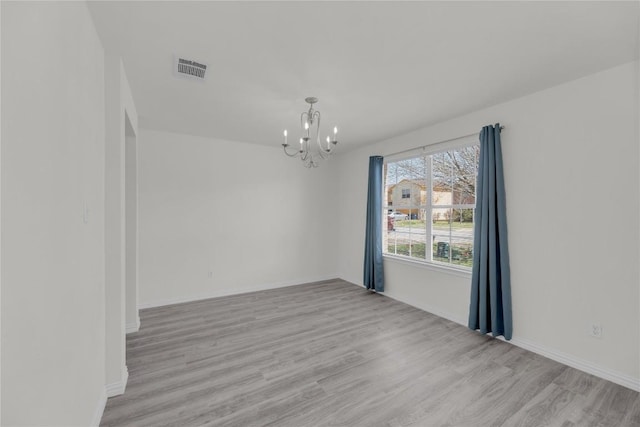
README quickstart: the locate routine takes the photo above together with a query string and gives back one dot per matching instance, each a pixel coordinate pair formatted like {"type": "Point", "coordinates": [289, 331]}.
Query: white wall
{"type": "Point", "coordinates": [52, 261]}
{"type": "Point", "coordinates": [570, 153]}
{"type": "Point", "coordinates": [248, 214]}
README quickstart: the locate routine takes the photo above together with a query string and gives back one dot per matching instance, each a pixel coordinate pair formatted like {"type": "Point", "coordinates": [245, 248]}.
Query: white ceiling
{"type": "Point", "coordinates": [378, 68]}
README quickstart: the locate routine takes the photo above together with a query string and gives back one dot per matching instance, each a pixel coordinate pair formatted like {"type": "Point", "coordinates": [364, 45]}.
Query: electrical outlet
{"type": "Point", "coordinates": [210, 275]}
{"type": "Point", "coordinates": [595, 330]}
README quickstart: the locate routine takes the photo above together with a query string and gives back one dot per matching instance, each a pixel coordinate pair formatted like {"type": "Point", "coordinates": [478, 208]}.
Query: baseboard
{"type": "Point", "coordinates": [97, 415]}
{"type": "Point", "coordinates": [580, 364]}
{"type": "Point", "coordinates": [223, 293]}
{"type": "Point", "coordinates": [117, 388]}
{"type": "Point", "coordinates": [133, 327]}
{"type": "Point", "coordinates": [564, 358]}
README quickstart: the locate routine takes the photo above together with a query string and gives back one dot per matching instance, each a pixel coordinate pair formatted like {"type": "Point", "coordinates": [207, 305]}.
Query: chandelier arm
{"type": "Point", "coordinates": [322, 153]}
{"type": "Point", "coordinates": [295, 154]}
{"type": "Point", "coordinates": [325, 153]}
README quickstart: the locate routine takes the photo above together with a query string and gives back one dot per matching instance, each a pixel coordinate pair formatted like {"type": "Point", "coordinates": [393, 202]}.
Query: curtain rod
{"type": "Point", "coordinates": [437, 143]}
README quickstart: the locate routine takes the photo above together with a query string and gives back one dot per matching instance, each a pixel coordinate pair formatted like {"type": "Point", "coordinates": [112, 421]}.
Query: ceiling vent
{"type": "Point", "coordinates": [189, 69]}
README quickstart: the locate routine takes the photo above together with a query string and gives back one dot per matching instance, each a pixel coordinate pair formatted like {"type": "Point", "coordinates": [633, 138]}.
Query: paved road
{"type": "Point", "coordinates": [419, 234]}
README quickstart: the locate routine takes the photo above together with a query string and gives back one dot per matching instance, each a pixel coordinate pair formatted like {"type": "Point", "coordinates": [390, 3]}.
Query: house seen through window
{"type": "Point", "coordinates": [429, 206]}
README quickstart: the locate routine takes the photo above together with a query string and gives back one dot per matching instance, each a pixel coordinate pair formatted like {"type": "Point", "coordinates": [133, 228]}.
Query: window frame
{"type": "Point", "coordinates": [429, 150]}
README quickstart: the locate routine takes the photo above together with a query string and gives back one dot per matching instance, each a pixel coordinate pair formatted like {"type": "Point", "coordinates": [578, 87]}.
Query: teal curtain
{"type": "Point", "coordinates": [490, 308]}
{"type": "Point", "coordinates": [373, 270]}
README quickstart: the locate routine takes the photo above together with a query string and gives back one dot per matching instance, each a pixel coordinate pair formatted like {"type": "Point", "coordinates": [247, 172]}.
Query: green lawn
{"type": "Point", "coordinates": [410, 223]}
{"type": "Point", "coordinates": [454, 224]}
{"type": "Point", "coordinates": [440, 225]}
{"type": "Point", "coordinates": [460, 254]}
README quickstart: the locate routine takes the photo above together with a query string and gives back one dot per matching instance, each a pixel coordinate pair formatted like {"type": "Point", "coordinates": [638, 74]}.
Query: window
{"type": "Point", "coordinates": [439, 228]}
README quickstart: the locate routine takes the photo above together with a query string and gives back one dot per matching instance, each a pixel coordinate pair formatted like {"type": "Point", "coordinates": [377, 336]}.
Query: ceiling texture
{"type": "Point", "coordinates": [379, 69]}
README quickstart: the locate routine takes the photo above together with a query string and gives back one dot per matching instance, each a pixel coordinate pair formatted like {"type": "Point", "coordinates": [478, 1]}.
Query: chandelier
{"type": "Point", "coordinates": [310, 125]}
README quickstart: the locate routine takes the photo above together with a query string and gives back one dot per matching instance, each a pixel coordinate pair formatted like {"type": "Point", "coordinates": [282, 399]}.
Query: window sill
{"type": "Point", "coordinates": [429, 266]}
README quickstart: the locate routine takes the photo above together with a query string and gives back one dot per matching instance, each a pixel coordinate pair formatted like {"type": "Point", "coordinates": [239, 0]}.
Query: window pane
{"type": "Point", "coordinates": [462, 219]}
{"type": "Point", "coordinates": [464, 189]}
{"type": "Point", "coordinates": [462, 237]}
{"type": "Point", "coordinates": [442, 194]}
{"type": "Point", "coordinates": [462, 252]}
{"type": "Point", "coordinates": [440, 165]}
{"type": "Point", "coordinates": [392, 174]}
{"type": "Point", "coordinates": [389, 221]}
{"type": "Point", "coordinates": [441, 181]}
{"type": "Point", "coordinates": [438, 215]}
{"type": "Point", "coordinates": [416, 218]}
{"type": "Point", "coordinates": [402, 249]}
{"type": "Point", "coordinates": [390, 246]}
{"type": "Point", "coordinates": [418, 247]}
{"type": "Point", "coordinates": [391, 236]}
{"type": "Point", "coordinates": [441, 249]}
{"type": "Point", "coordinates": [409, 188]}
{"type": "Point", "coordinates": [402, 240]}
{"type": "Point", "coordinates": [390, 182]}
{"type": "Point", "coordinates": [416, 228]}
{"type": "Point", "coordinates": [441, 219]}
{"type": "Point", "coordinates": [440, 234]}
{"type": "Point", "coordinates": [464, 160]}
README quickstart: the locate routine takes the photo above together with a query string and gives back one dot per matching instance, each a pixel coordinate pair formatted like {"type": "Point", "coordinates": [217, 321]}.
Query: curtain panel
{"type": "Point", "coordinates": [373, 268]}
{"type": "Point", "coordinates": [490, 306]}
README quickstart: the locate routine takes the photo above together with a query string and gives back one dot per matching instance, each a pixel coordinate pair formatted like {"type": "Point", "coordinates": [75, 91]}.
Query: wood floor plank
{"type": "Point", "coordinates": [334, 354]}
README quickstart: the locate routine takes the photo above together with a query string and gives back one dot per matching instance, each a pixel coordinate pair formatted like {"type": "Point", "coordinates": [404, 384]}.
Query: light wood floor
{"type": "Point", "coordinates": [335, 354]}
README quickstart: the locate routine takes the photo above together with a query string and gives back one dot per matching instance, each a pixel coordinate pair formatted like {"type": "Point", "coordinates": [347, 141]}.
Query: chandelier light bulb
{"type": "Point", "coordinates": [335, 130]}
{"type": "Point", "coordinates": [285, 137]}
{"type": "Point", "coordinates": [306, 125]}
